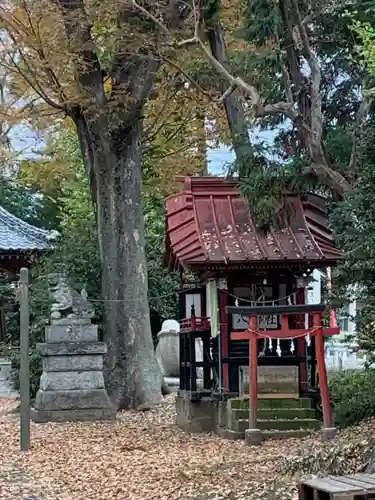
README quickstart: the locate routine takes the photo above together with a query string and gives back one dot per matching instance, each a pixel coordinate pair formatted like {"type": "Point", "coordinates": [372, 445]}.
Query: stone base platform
{"type": "Point", "coordinates": [173, 383]}
{"type": "Point", "coordinates": [228, 415]}
{"type": "Point", "coordinates": [201, 411]}
{"type": "Point", "coordinates": [83, 415]}
{"type": "Point", "coordinates": [77, 405]}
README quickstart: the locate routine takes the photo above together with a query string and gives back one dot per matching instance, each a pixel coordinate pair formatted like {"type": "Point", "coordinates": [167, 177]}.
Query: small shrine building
{"type": "Point", "coordinates": [20, 244]}
{"type": "Point", "coordinates": [245, 295]}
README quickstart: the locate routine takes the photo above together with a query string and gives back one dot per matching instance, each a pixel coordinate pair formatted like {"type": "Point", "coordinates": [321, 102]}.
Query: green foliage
{"type": "Point", "coordinates": [262, 20]}
{"type": "Point", "coordinates": [353, 396]}
{"type": "Point", "coordinates": [29, 204]}
{"type": "Point", "coordinates": [78, 252]}
{"type": "Point", "coordinates": [366, 34]}
{"type": "Point", "coordinates": [39, 304]}
{"type": "Point", "coordinates": [263, 190]}
{"type": "Point", "coordinates": [353, 222]}
{"type": "Point", "coordinates": [265, 185]}
{"type": "Point", "coordinates": [353, 218]}
{"type": "Point", "coordinates": [271, 51]}
{"type": "Point", "coordinates": [210, 8]}
{"type": "Point", "coordinates": [161, 283]}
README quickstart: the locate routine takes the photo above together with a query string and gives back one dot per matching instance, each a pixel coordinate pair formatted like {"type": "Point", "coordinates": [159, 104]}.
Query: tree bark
{"type": "Point", "coordinates": [132, 374]}
{"type": "Point", "coordinates": [202, 145]}
{"type": "Point", "coordinates": [233, 103]}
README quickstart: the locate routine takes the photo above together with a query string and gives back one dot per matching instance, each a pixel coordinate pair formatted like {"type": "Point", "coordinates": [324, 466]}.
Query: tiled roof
{"type": "Point", "coordinates": [209, 222]}
{"type": "Point", "coordinates": [16, 234]}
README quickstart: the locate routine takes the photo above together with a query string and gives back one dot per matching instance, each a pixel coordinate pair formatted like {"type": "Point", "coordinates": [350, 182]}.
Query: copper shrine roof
{"type": "Point", "coordinates": [209, 222]}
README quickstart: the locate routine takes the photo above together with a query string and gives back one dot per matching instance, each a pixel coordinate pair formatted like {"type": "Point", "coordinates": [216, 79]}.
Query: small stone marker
{"type": "Point", "coordinates": [272, 381]}
{"type": "Point", "coordinates": [72, 383]}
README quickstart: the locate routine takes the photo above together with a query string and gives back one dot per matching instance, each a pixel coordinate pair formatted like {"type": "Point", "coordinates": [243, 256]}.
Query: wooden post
{"type": "Point", "coordinates": [332, 312]}
{"type": "Point", "coordinates": [224, 338]}
{"type": "Point", "coordinates": [253, 374]}
{"type": "Point", "coordinates": [182, 344]}
{"type": "Point", "coordinates": [301, 348]}
{"type": "Point", "coordinates": [193, 319]}
{"type": "Point", "coordinates": [253, 435]}
{"type": "Point", "coordinates": [24, 360]}
{"type": "Point", "coordinates": [329, 430]}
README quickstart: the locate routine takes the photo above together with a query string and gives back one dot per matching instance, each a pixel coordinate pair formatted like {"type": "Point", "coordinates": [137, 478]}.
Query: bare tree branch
{"type": "Point", "coordinates": [316, 125]}
{"type": "Point", "coordinates": [54, 81]}
{"type": "Point", "coordinates": [30, 78]}
{"type": "Point", "coordinates": [250, 90]}
{"type": "Point", "coordinates": [191, 80]}
{"type": "Point", "coordinates": [153, 129]}
{"type": "Point", "coordinates": [314, 130]}
{"type": "Point", "coordinates": [78, 31]}
{"type": "Point", "coordinates": [226, 94]}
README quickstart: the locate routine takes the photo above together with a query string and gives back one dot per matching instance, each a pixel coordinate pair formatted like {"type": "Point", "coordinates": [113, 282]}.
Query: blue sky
{"type": "Point", "coordinates": [26, 141]}
{"type": "Point", "coordinates": [219, 158]}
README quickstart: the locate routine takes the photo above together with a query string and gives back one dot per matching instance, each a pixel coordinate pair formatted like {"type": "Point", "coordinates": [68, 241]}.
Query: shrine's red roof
{"type": "Point", "coordinates": [209, 222]}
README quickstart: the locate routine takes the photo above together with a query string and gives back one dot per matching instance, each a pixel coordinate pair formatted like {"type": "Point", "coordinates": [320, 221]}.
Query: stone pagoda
{"type": "Point", "coordinates": [72, 383]}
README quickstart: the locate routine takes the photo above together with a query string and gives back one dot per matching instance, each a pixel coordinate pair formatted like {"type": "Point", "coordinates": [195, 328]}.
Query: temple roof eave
{"type": "Point", "coordinates": [209, 224]}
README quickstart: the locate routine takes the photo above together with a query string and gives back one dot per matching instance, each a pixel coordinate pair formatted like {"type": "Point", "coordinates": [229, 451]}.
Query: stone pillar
{"type": "Point", "coordinates": [72, 383]}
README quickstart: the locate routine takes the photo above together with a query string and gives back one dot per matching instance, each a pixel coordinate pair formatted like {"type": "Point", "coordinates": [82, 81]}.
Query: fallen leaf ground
{"type": "Point", "coordinates": [143, 455]}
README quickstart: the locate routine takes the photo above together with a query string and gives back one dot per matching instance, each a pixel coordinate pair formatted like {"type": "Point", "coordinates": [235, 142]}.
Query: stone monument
{"type": "Point", "coordinates": [72, 383]}
{"type": "Point", "coordinates": [272, 381]}
{"type": "Point", "coordinates": [168, 349]}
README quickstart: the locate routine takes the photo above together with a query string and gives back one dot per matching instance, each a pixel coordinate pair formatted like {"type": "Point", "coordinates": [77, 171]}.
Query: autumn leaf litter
{"type": "Point", "coordinates": [144, 455]}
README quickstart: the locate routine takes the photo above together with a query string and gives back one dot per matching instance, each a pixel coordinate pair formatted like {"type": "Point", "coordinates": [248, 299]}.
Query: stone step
{"type": "Point", "coordinates": [289, 434]}
{"type": "Point", "coordinates": [284, 424]}
{"type": "Point", "coordinates": [266, 434]}
{"type": "Point", "coordinates": [276, 413]}
{"type": "Point", "coordinates": [281, 424]}
{"type": "Point", "coordinates": [229, 434]}
{"type": "Point", "coordinates": [269, 403]}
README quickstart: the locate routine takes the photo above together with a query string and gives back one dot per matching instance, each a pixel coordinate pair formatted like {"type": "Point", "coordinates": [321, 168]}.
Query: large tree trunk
{"type": "Point", "coordinates": [132, 374]}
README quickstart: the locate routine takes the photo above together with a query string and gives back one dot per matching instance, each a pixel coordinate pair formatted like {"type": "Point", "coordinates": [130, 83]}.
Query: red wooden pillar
{"type": "Point", "coordinates": [332, 312]}
{"type": "Point", "coordinates": [224, 337]}
{"type": "Point", "coordinates": [301, 348]}
{"type": "Point", "coordinates": [253, 435]}
{"type": "Point", "coordinates": [328, 427]}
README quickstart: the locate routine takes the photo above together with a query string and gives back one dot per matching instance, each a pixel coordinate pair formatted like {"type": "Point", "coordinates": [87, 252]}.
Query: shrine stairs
{"type": "Point", "coordinates": [277, 418]}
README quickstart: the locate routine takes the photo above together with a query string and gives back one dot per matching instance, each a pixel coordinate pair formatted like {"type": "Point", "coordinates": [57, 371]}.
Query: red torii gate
{"type": "Point", "coordinates": [253, 434]}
